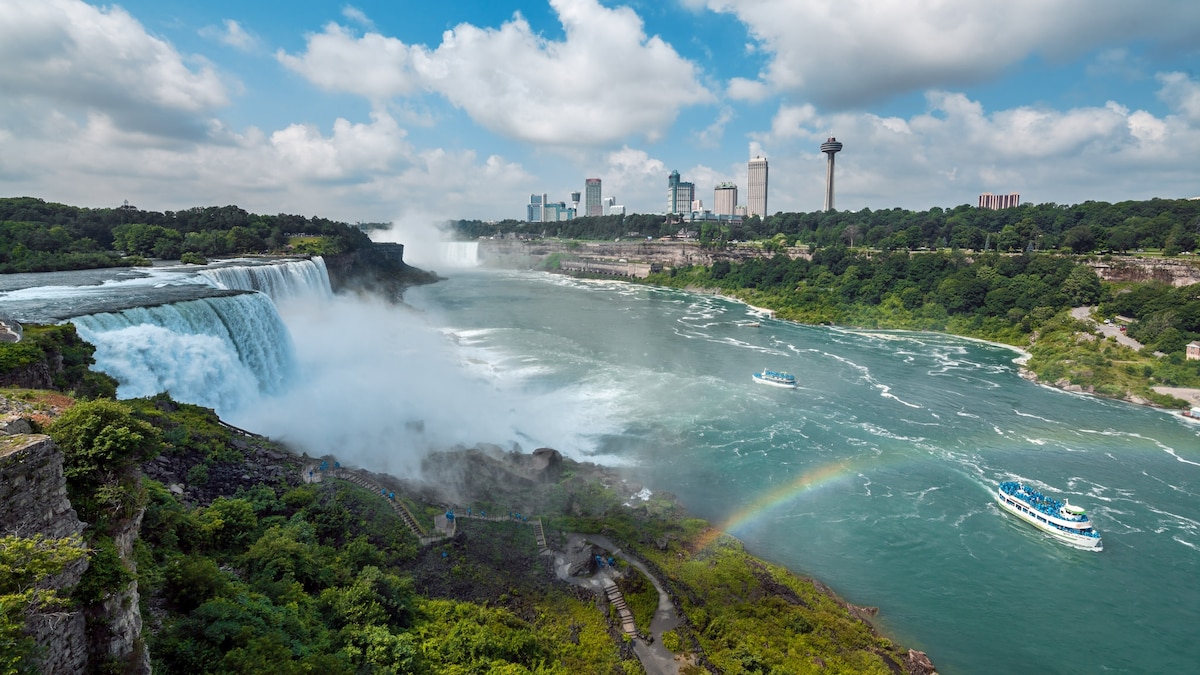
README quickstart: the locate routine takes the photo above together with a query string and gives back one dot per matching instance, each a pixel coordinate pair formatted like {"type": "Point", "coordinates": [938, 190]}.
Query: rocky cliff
{"type": "Point", "coordinates": [379, 269]}
{"type": "Point", "coordinates": [33, 500]}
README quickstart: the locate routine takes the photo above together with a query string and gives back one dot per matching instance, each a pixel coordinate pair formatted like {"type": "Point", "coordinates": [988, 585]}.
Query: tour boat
{"type": "Point", "coordinates": [775, 379]}
{"type": "Point", "coordinates": [1059, 519]}
{"type": "Point", "coordinates": [1192, 415]}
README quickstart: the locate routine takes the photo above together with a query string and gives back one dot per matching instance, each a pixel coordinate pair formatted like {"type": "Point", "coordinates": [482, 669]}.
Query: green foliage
{"type": "Point", "coordinates": [106, 573]}
{"type": "Point", "coordinates": [671, 641]}
{"type": "Point", "coordinates": [25, 564]}
{"type": "Point", "coordinates": [190, 581]}
{"type": "Point", "coordinates": [67, 358]}
{"type": "Point", "coordinates": [36, 236]}
{"type": "Point", "coordinates": [102, 444]}
{"type": "Point", "coordinates": [193, 258]}
{"type": "Point", "coordinates": [640, 595]}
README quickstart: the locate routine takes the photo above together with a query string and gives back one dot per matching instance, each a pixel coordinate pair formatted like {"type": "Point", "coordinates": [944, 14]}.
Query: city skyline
{"type": "Point", "coordinates": [395, 111]}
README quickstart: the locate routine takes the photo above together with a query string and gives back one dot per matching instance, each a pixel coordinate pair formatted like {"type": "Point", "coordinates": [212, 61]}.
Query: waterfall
{"type": "Point", "coordinates": [220, 352]}
{"type": "Point", "coordinates": [280, 281]}
{"type": "Point", "coordinates": [461, 253]}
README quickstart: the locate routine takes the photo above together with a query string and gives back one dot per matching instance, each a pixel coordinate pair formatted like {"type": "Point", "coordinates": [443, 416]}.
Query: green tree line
{"type": "Point", "coordinates": [1168, 225]}
{"type": "Point", "coordinates": [40, 236]}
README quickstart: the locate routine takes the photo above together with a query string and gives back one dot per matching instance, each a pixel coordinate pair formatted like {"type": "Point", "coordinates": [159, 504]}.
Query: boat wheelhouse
{"type": "Point", "coordinates": [1059, 519]}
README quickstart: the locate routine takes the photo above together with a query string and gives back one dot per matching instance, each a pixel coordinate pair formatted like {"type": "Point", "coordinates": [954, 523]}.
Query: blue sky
{"type": "Point", "coordinates": [415, 111]}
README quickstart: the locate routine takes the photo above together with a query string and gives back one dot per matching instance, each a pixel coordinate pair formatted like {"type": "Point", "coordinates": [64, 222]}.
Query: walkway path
{"type": "Point", "coordinates": [655, 658]}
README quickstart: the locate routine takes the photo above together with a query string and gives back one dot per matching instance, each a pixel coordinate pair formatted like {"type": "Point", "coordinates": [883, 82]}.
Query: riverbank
{"type": "Point", "coordinates": [1188, 395]}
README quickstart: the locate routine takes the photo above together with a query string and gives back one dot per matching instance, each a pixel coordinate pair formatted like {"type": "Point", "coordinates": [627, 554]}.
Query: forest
{"type": "Point", "coordinates": [40, 236]}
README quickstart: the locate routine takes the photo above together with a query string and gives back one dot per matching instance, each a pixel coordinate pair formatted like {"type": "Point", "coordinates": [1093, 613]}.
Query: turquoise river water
{"type": "Point", "coordinates": [876, 475]}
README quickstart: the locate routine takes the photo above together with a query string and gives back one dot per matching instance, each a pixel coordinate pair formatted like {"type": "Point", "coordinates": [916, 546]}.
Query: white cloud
{"type": "Point", "coordinates": [372, 66]}
{"type": "Point", "coordinates": [75, 59]}
{"type": "Point", "coordinates": [605, 82]}
{"type": "Point", "coordinates": [232, 34]}
{"type": "Point", "coordinates": [1182, 93]}
{"type": "Point", "coordinates": [353, 171]}
{"type": "Point", "coordinates": [711, 135]}
{"type": "Point", "coordinates": [844, 54]}
{"type": "Point", "coordinates": [358, 16]}
{"type": "Point", "coordinates": [742, 89]}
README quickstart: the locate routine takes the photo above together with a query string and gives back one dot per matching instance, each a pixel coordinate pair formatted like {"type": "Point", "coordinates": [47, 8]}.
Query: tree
{"type": "Point", "coordinates": [1080, 239]}
{"type": "Point", "coordinates": [25, 565]}
{"type": "Point", "coordinates": [101, 442]}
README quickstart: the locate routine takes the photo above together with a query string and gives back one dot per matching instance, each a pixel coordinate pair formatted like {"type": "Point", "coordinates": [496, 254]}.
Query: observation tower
{"type": "Point", "coordinates": [830, 147]}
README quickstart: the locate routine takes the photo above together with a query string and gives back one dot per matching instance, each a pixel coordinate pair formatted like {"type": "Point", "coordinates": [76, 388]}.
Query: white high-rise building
{"type": "Point", "coordinates": [756, 188]}
{"type": "Point", "coordinates": [725, 199]}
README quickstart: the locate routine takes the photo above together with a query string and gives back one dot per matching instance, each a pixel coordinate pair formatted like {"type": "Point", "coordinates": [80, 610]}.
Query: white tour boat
{"type": "Point", "coordinates": [1059, 519]}
{"type": "Point", "coordinates": [775, 379]}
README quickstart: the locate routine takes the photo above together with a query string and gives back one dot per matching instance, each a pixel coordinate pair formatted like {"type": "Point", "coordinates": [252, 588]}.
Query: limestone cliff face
{"type": "Point", "coordinates": [33, 500]}
{"type": "Point", "coordinates": [1176, 272]}
{"type": "Point", "coordinates": [115, 629]}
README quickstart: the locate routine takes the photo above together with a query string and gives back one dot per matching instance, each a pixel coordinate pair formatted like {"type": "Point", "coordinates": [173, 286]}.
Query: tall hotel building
{"type": "Point", "coordinates": [756, 188]}
{"type": "Point", "coordinates": [988, 200]}
{"type": "Point", "coordinates": [591, 197]}
{"type": "Point", "coordinates": [679, 194]}
{"type": "Point", "coordinates": [725, 199]}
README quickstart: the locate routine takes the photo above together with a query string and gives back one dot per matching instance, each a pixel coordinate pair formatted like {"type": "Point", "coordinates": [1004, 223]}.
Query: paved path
{"type": "Point", "coordinates": [1107, 330]}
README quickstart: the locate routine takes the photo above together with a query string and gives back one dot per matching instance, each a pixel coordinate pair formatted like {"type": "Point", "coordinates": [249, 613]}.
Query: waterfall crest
{"type": "Point", "coordinates": [221, 352]}
{"type": "Point", "coordinates": [461, 253]}
{"type": "Point", "coordinates": [279, 281]}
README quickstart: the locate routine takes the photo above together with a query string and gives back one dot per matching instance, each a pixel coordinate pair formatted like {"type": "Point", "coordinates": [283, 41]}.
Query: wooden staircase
{"type": "Point", "coordinates": [618, 602]}
{"type": "Point", "coordinates": [540, 533]}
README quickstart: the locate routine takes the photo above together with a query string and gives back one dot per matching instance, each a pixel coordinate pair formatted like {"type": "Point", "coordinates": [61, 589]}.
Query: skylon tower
{"type": "Point", "coordinates": [830, 147]}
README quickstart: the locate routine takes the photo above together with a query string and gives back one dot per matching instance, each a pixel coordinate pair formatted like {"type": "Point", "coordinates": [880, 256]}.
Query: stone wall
{"type": "Point", "coordinates": [33, 500]}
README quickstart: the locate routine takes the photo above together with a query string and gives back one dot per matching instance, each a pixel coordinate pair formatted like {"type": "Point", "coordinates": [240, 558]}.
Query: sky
{"type": "Point", "coordinates": [404, 111]}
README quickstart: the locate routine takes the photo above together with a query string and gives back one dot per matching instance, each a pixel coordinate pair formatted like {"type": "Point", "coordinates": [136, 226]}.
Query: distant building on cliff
{"type": "Point", "coordinates": [988, 200]}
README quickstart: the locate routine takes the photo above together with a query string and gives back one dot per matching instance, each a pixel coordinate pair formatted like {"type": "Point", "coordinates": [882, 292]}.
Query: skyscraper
{"type": "Point", "coordinates": [534, 210]}
{"type": "Point", "coordinates": [830, 147]}
{"type": "Point", "coordinates": [679, 194]}
{"type": "Point", "coordinates": [592, 202]}
{"type": "Point", "coordinates": [756, 188]}
{"type": "Point", "coordinates": [725, 199]}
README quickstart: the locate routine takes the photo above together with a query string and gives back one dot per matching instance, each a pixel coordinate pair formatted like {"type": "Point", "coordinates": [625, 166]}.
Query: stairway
{"type": "Point", "coordinates": [540, 533]}
{"type": "Point", "coordinates": [401, 510]}
{"type": "Point", "coordinates": [618, 602]}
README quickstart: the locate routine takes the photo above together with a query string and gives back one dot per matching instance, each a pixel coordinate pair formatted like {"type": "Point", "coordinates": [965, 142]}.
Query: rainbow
{"type": "Point", "coordinates": [806, 483]}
